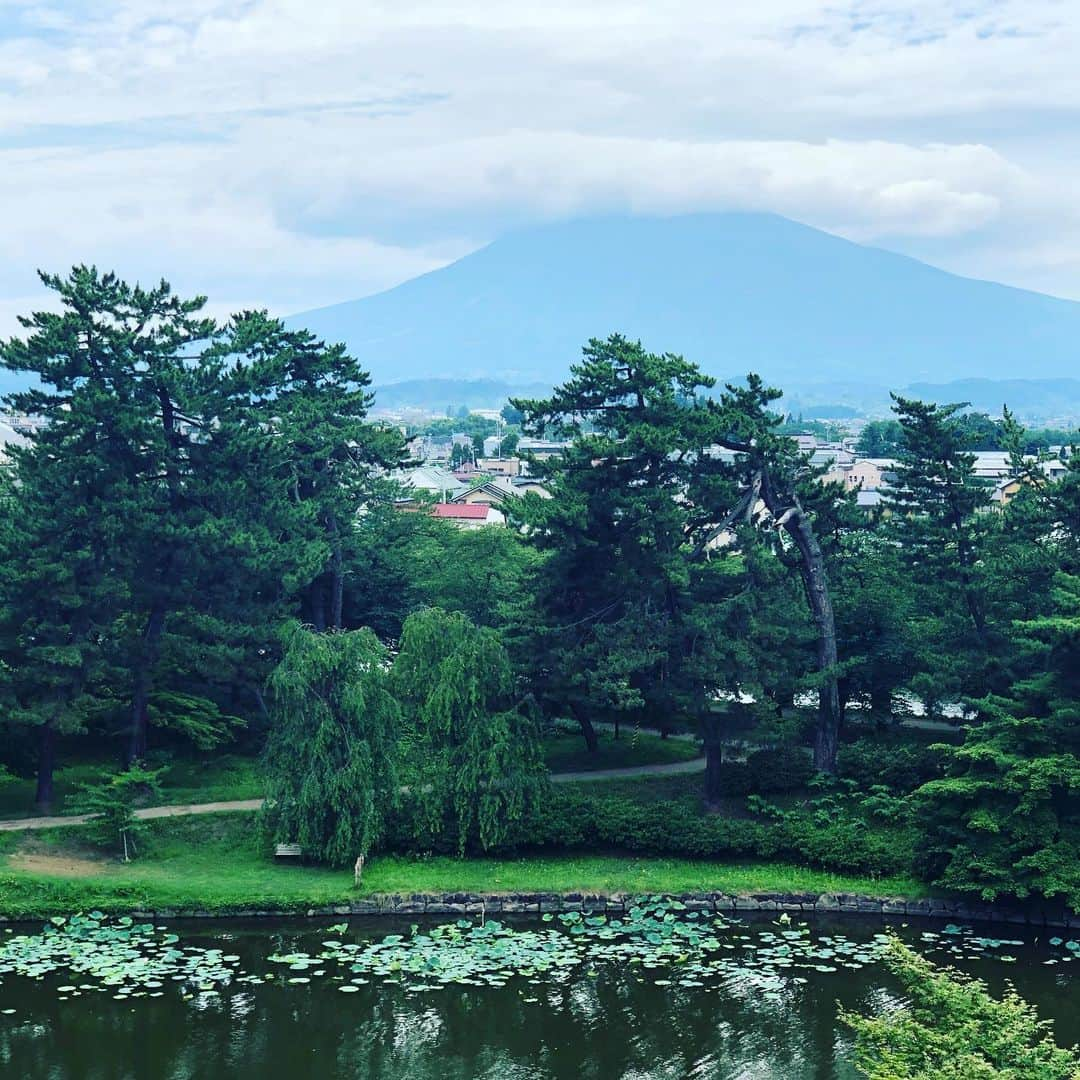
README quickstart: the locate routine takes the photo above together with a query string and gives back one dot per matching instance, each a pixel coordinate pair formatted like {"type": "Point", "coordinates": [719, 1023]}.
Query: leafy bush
{"type": "Point", "coordinates": [595, 821]}
{"type": "Point", "coordinates": [779, 768]}
{"type": "Point", "coordinates": [900, 766]}
{"type": "Point", "coordinates": [735, 779]}
{"type": "Point", "coordinates": [768, 771]}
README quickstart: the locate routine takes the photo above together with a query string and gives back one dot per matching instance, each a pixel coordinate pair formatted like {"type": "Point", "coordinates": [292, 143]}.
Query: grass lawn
{"type": "Point", "coordinates": [218, 863]}
{"type": "Point", "coordinates": [17, 796]}
{"type": "Point", "coordinates": [219, 778]}
{"type": "Point", "coordinates": [567, 753]}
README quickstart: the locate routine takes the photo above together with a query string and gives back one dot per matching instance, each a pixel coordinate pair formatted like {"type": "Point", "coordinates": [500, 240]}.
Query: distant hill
{"type": "Point", "coordinates": [453, 393]}
{"type": "Point", "coordinates": [733, 292]}
{"type": "Point", "coordinates": [1043, 398]}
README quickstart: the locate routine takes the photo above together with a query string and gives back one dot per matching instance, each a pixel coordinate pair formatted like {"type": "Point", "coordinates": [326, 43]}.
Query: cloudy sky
{"type": "Point", "coordinates": [293, 154]}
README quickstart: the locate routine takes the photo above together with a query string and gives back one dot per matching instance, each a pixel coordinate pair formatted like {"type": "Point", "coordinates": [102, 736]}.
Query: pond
{"type": "Point", "coordinates": [657, 995]}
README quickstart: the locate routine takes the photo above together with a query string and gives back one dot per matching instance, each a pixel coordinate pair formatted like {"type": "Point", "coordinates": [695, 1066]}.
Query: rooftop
{"type": "Point", "coordinates": [477, 511]}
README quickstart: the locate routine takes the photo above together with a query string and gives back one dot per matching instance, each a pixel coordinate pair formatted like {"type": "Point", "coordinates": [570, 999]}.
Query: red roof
{"type": "Point", "coordinates": [462, 510]}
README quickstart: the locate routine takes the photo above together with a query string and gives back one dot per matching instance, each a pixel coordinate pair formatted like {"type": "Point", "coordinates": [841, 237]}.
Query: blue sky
{"type": "Point", "coordinates": [292, 154]}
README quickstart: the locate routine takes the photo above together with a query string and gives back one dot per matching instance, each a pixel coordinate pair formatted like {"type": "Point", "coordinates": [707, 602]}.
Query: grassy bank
{"type": "Point", "coordinates": [217, 863]}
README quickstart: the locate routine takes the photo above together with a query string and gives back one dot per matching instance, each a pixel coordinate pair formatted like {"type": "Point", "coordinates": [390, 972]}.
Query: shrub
{"type": "Point", "coordinates": [898, 766]}
{"type": "Point", "coordinates": [735, 779]}
{"type": "Point", "coordinates": [110, 804]}
{"type": "Point", "coordinates": [779, 768]}
{"type": "Point", "coordinates": [572, 821]}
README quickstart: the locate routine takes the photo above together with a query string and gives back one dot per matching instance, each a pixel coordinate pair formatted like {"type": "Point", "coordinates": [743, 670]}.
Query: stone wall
{"type": "Point", "coordinates": [471, 904]}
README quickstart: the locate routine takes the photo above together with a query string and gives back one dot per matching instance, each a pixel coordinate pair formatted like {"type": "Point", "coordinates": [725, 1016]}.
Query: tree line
{"type": "Point", "coordinates": [204, 533]}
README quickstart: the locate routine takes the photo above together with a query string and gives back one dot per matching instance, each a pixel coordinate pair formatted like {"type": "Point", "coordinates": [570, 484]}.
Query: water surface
{"type": "Point", "coordinates": [601, 1022]}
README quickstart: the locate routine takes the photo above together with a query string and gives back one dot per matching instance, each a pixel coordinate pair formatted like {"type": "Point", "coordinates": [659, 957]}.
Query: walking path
{"type": "Point", "coordinates": [678, 768]}
{"type": "Point", "coordinates": [186, 809]}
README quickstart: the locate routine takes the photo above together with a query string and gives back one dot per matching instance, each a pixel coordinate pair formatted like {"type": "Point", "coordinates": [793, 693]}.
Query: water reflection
{"type": "Point", "coordinates": [613, 1024]}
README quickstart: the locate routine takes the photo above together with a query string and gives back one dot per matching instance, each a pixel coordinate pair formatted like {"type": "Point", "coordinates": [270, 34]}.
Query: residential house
{"type": "Point", "coordinates": [489, 493]}
{"type": "Point", "coordinates": [540, 448]}
{"type": "Point", "coordinates": [431, 480]}
{"type": "Point", "coordinates": [468, 515]}
{"type": "Point", "coordinates": [523, 485]}
{"type": "Point", "coordinates": [509, 466]}
{"type": "Point", "coordinates": [991, 464]}
{"type": "Point", "coordinates": [864, 474]}
{"type": "Point", "coordinates": [869, 501]}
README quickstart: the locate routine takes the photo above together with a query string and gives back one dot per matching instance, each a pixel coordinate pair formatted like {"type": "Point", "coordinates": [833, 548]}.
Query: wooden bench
{"type": "Point", "coordinates": [288, 851]}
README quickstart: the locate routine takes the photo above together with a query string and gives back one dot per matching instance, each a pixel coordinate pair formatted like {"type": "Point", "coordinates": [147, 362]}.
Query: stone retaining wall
{"type": "Point", "coordinates": [470, 904]}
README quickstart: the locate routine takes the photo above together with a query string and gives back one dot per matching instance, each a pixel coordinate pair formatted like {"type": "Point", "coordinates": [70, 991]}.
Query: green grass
{"type": "Point", "coordinates": [567, 752]}
{"type": "Point", "coordinates": [217, 778]}
{"type": "Point", "coordinates": [224, 779]}
{"type": "Point", "coordinates": [17, 796]}
{"type": "Point", "coordinates": [219, 863]}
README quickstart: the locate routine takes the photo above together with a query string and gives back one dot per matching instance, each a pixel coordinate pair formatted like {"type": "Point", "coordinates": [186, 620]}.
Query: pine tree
{"type": "Point", "coordinates": [313, 400]}
{"type": "Point", "coordinates": [117, 389]}
{"type": "Point", "coordinates": [57, 612]}
{"type": "Point", "coordinates": [1005, 820]}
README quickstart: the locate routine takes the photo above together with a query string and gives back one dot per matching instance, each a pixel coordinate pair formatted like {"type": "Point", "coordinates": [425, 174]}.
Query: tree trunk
{"type": "Point", "coordinates": [140, 699]}
{"type": "Point", "coordinates": [714, 758]}
{"type": "Point", "coordinates": [881, 702]}
{"type": "Point", "coordinates": [316, 605]}
{"type": "Point", "coordinates": [43, 796]}
{"type": "Point", "coordinates": [815, 582]}
{"type": "Point", "coordinates": [337, 573]}
{"type": "Point", "coordinates": [587, 730]}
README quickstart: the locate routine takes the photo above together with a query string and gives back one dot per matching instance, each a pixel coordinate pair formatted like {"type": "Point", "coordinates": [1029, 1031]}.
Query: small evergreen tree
{"type": "Point", "coordinates": [111, 805]}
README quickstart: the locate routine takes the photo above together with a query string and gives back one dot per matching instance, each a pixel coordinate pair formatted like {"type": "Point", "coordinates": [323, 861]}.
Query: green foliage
{"type": "Point", "coordinates": [940, 523]}
{"type": "Point", "coordinates": [643, 605]}
{"type": "Point", "coordinates": [473, 743]}
{"type": "Point", "coordinates": [111, 804]}
{"type": "Point", "coordinates": [1005, 819]}
{"type": "Point", "coordinates": [768, 771]}
{"type": "Point", "coordinates": [952, 1029]}
{"type": "Point", "coordinates": [897, 765]}
{"type": "Point", "coordinates": [462, 422]}
{"type": "Point", "coordinates": [193, 484]}
{"type": "Point", "coordinates": [331, 754]}
{"type": "Point", "coordinates": [880, 439]}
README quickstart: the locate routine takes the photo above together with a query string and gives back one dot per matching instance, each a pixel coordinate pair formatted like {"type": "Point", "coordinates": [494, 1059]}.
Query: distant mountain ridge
{"type": "Point", "coordinates": [453, 393]}
{"type": "Point", "coordinates": [1024, 397]}
{"type": "Point", "coordinates": [733, 292]}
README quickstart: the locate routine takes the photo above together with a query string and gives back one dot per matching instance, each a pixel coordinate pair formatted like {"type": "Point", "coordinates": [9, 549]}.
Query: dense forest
{"type": "Point", "coordinates": [201, 547]}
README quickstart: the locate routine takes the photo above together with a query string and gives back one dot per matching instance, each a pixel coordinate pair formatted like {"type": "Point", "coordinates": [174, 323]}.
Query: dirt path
{"type": "Point", "coordinates": [185, 810]}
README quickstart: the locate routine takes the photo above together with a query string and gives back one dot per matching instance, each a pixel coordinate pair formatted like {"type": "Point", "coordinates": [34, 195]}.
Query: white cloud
{"type": "Point", "coordinates": [290, 153]}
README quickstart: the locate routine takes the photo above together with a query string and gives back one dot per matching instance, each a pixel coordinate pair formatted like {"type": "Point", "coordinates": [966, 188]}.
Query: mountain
{"type": "Point", "coordinates": [733, 292]}
{"type": "Point", "coordinates": [1043, 398]}
{"type": "Point", "coordinates": [453, 393]}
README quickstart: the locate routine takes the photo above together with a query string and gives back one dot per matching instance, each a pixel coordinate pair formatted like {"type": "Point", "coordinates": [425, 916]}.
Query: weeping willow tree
{"type": "Point", "coordinates": [331, 754]}
{"type": "Point", "coordinates": [475, 748]}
